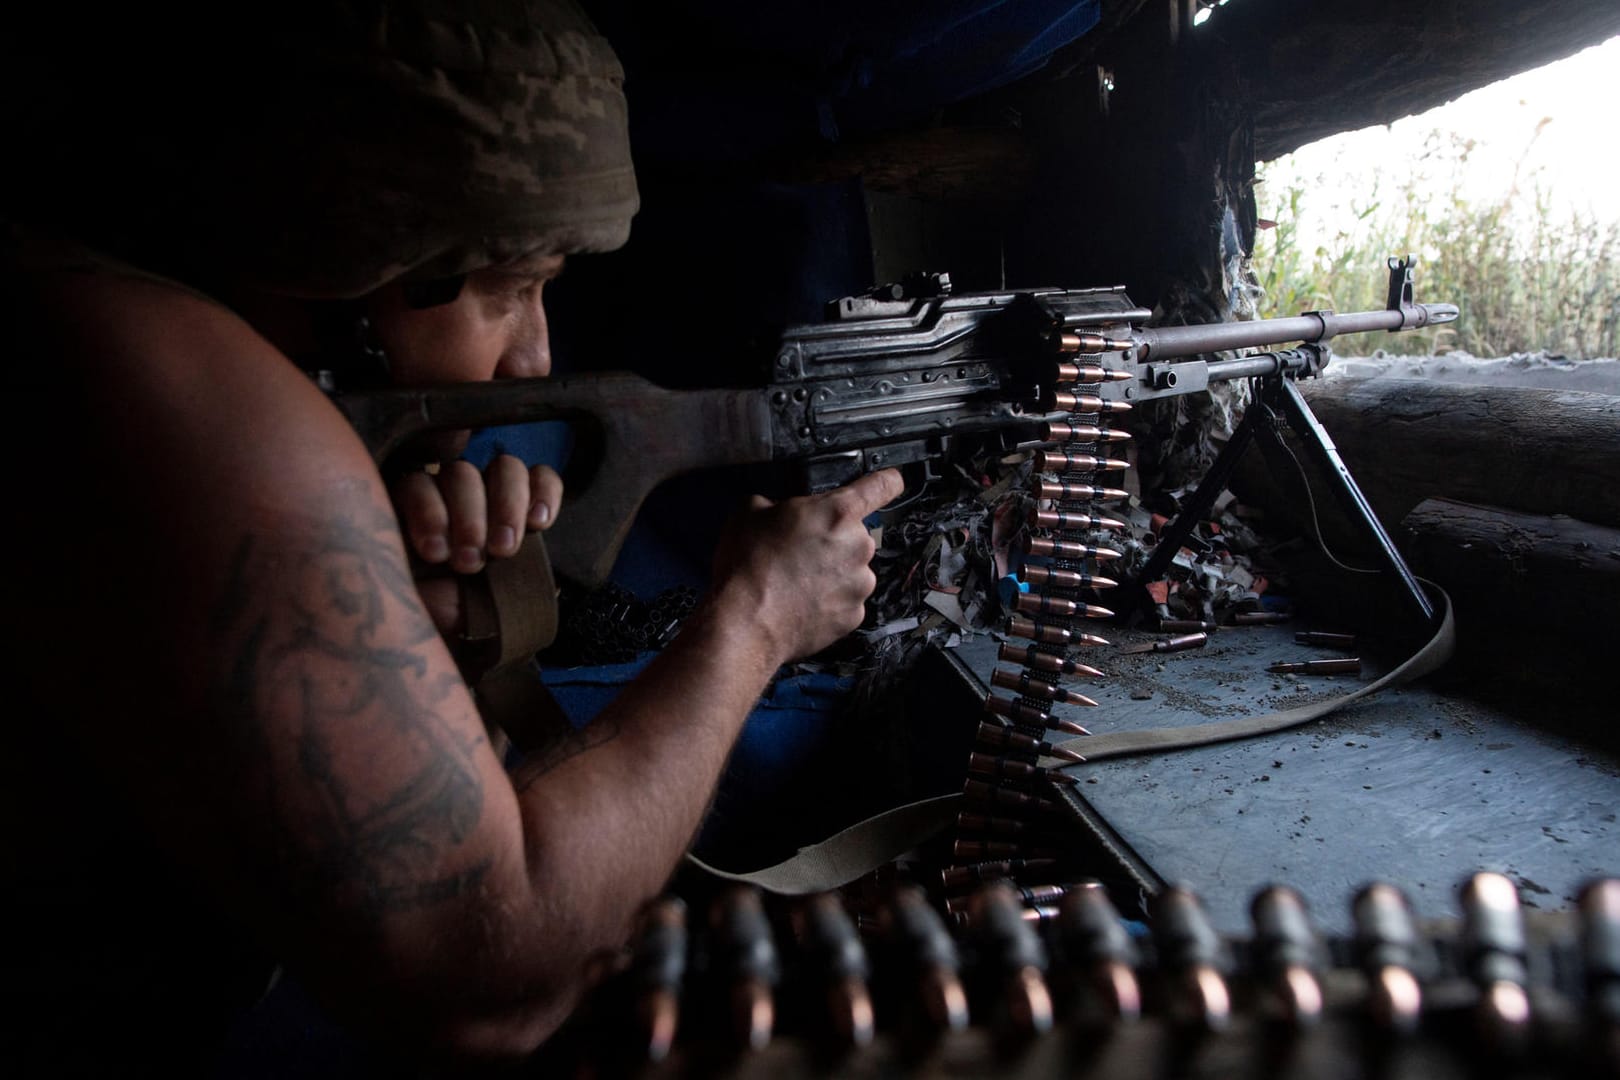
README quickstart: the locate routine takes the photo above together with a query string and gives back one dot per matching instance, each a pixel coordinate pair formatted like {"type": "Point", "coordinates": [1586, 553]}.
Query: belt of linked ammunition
{"type": "Point", "coordinates": [1060, 583]}
{"type": "Point", "coordinates": [1041, 977]}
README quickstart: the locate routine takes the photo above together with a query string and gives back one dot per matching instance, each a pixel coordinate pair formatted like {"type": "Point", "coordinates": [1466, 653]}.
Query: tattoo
{"type": "Point", "coordinates": [334, 706]}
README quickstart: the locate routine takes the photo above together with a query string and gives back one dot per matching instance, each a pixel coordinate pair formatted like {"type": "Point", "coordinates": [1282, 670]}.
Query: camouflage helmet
{"type": "Point", "coordinates": [345, 145]}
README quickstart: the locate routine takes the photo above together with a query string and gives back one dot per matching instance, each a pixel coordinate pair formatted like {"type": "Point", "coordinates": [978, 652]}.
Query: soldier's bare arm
{"type": "Point", "coordinates": [315, 756]}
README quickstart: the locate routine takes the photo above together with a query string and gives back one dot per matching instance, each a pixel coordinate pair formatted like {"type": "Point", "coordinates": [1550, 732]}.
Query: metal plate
{"type": "Point", "coordinates": [1414, 786]}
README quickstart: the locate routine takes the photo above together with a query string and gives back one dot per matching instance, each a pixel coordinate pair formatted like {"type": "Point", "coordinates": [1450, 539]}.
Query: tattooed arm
{"type": "Point", "coordinates": [314, 756]}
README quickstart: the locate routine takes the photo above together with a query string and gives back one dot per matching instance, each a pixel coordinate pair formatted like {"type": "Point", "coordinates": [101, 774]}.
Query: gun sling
{"type": "Point", "coordinates": [880, 839]}
{"type": "Point", "coordinates": [511, 614]}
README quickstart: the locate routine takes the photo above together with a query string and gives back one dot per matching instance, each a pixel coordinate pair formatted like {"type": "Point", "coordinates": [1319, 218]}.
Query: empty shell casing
{"type": "Point", "coordinates": [1259, 618]}
{"type": "Point", "coordinates": [1186, 626]}
{"type": "Point", "coordinates": [1169, 645]}
{"type": "Point", "coordinates": [1349, 665]}
{"type": "Point", "coordinates": [1323, 637]}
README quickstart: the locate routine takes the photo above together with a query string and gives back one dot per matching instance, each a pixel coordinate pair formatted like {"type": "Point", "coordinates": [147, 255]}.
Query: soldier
{"type": "Point", "coordinates": [235, 720]}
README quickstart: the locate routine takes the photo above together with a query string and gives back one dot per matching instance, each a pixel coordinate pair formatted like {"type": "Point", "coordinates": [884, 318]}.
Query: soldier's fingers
{"type": "Point", "coordinates": [423, 517]}
{"type": "Point", "coordinates": [506, 488]}
{"type": "Point", "coordinates": [462, 487]}
{"type": "Point", "coordinates": [760, 502]}
{"type": "Point", "coordinates": [545, 496]}
{"type": "Point", "coordinates": [874, 490]}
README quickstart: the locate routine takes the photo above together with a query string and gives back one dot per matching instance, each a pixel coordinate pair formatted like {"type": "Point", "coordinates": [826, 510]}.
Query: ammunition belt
{"type": "Point", "coordinates": [1066, 550]}
{"type": "Point", "coordinates": [1047, 980]}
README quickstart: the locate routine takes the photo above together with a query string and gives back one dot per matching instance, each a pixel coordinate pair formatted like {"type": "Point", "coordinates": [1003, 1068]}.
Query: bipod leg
{"type": "Point", "coordinates": [1320, 446]}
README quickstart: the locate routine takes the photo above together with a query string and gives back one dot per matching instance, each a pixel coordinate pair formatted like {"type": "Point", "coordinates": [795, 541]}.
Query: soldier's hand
{"type": "Point", "coordinates": [800, 569]}
{"type": "Point", "coordinates": [461, 518]}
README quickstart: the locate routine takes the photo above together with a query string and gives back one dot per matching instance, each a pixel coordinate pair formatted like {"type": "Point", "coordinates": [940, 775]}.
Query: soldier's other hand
{"type": "Point", "coordinates": [461, 518]}
{"type": "Point", "coordinates": [800, 568]}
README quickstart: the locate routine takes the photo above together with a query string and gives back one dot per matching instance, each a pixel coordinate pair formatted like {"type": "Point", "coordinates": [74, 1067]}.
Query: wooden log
{"type": "Point", "coordinates": [1535, 596]}
{"type": "Point", "coordinates": [1534, 451]}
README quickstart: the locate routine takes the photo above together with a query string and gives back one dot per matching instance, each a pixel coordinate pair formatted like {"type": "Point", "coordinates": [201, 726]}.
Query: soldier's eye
{"type": "Point", "coordinates": [420, 295]}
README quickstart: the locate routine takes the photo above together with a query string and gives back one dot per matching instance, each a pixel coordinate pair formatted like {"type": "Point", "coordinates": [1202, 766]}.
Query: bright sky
{"type": "Point", "coordinates": [1555, 127]}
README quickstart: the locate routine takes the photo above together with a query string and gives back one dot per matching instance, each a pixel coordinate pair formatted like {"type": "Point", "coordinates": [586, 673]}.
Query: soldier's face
{"type": "Point", "coordinates": [494, 329]}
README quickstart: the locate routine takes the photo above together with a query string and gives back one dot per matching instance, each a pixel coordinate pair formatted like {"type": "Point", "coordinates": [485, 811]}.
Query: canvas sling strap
{"type": "Point", "coordinates": [511, 614]}
{"type": "Point", "coordinates": [880, 839]}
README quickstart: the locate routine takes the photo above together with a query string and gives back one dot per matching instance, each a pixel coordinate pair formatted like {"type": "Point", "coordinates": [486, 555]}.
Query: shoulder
{"type": "Point", "coordinates": [182, 386]}
{"type": "Point", "coordinates": [183, 436]}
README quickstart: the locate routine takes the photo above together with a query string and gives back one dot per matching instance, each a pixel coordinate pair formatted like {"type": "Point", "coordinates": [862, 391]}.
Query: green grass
{"type": "Point", "coordinates": [1526, 278]}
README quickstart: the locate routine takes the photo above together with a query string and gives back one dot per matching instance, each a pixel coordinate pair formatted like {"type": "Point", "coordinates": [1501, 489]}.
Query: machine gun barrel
{"type": "Point", "coordinates": [1170, 342]}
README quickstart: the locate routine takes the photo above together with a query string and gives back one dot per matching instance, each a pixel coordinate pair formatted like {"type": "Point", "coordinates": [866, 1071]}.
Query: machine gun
{"type": "Point", "coordinates": [891, 378]}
